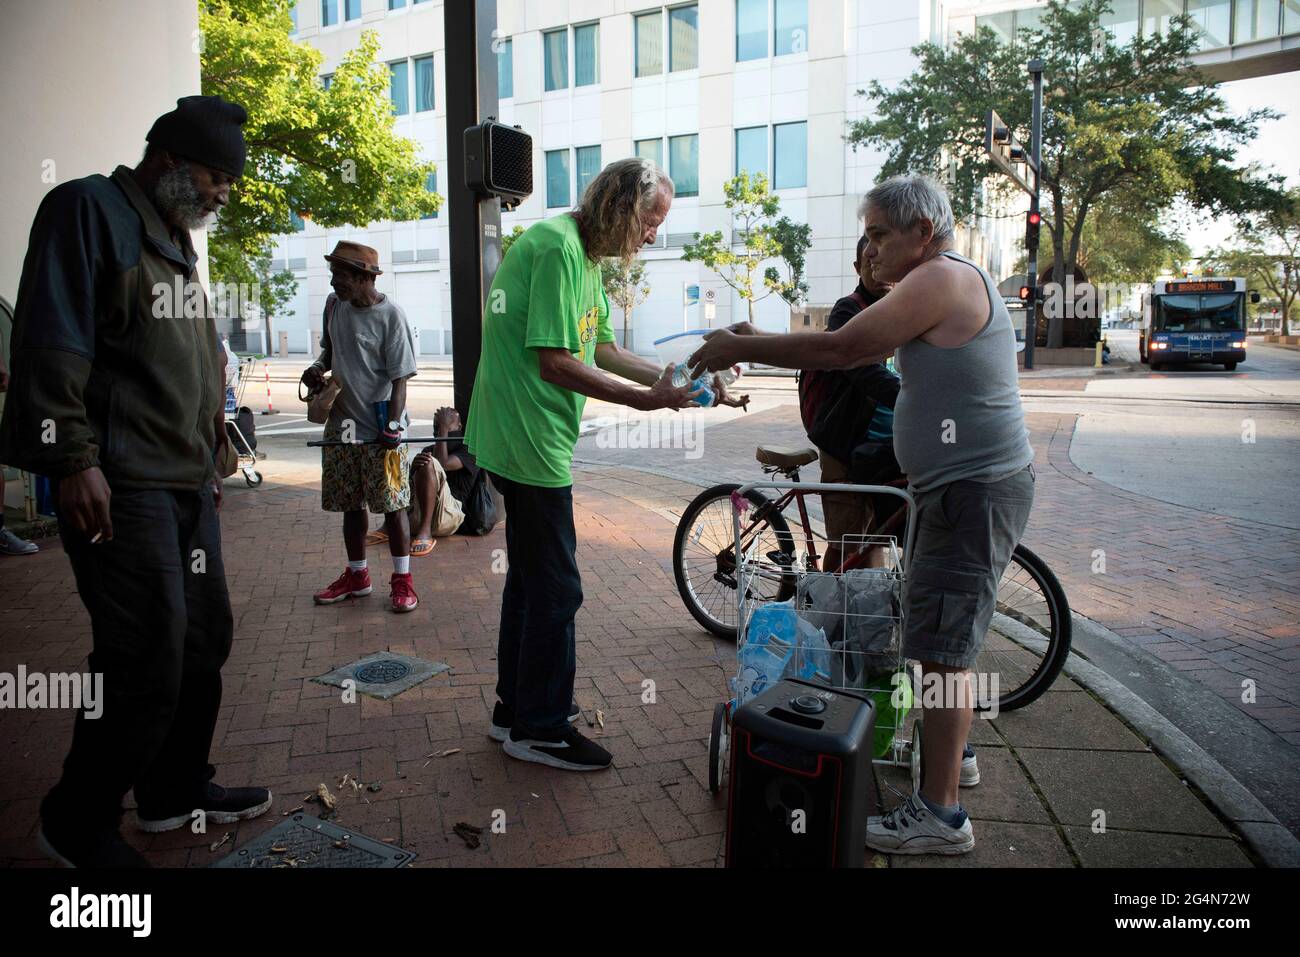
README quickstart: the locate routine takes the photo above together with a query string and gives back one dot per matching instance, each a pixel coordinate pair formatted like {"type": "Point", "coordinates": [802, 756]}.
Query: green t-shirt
{"type": "Point", "coordinates": [546, 294]}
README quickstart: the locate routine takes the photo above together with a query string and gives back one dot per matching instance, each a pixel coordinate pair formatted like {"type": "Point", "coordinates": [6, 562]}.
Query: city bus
{"type": "Point", "coordinates": [1194, 320]}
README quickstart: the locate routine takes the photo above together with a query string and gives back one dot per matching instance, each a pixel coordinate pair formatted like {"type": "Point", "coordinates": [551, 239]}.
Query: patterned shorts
{"type": "Point", "coordinates": [353, 477]}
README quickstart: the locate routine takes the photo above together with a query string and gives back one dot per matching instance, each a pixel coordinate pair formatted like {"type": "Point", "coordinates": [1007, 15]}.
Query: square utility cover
{"type": "Point", "coordinates": [304, 841]}
{"type": "Point", "coordinates": [385, 674]}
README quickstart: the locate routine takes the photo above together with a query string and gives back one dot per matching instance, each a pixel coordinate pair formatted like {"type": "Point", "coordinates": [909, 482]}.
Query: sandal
{"type": "Point", "coordinates": [376, 538]}
{"type": "Point", "coordinates": [421, 547]}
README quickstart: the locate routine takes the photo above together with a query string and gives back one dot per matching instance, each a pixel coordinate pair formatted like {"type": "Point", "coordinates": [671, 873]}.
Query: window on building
{"type": "Point", "coordinates": [1122, 21]}
{"type": "Point", "coordinates": [751, 30]}
{"type": "Point", "coordinates": [506, 70]}
{"type": "Point", "coordinates": [684, 163]}
{"type": "Point", "coordinates": [1214, 19]}
{"type": "Point", "coordinates": [586, 55]}
{"type": "Point", "coordinates": [396, 4]}
{"type": "Point", "coordinates": [649, 33]}
{"type": "Point", "coordinates": [557, 178]}
{"type": "Point", "coordinates": [327, 80]}
{"type": "Point", "coordinates": [329, 12]}
{"type": "Point", "coordinates": [431, 186]}
{"type": "Point", "coordinates": [423, 83]}
{"type": "Point", "coordinates": [791, 26]}
{"type": "Point", "coordinates": [293, 17]}
{"type": "Point", "coordinates": [1002, 24]}
{"type": "Point", "coordinates": [683, 38]}
{"type": "Point", "coordinates": [1158, 14]}
{"type": "Point", "coordinates": [556, 46]}
{"type": "Point", "coordinates": [653, 150]}
{"type": "Point", "coordinates": [351, 9]}
{"type": "Point", "coordinates": [1291, 17]}
{"type": "Point", "coordinates": [1257, 19]}
{"type": "Point", "coordinates": [751, 150]}
{"type": "Point", "coordinates": [588, 166]}
{"type": "Point", "coordinates": [399, 87]}
{"type": "Point", "coordinates": [790, 151]}
{"type": "Point", "coordinates": [296, 223]}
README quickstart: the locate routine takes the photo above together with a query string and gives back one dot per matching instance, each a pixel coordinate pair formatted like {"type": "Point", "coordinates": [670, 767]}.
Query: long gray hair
{"type": "Point", "coordinates": [611, 213]}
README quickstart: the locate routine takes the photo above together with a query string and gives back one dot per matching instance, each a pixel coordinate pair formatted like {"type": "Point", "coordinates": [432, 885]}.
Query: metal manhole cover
{"type": "Point", "coordinates": [383, 675]}
{"type": "Point", "coordinates": [306, 842]}
{"type": "Point", "coordinates": [382, 672]}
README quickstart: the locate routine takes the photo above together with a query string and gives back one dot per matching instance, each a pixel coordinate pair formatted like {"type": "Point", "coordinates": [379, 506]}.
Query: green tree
{"type": "Point", "coordinates": [754, 207]}
{"type": "Point", "coordinates": [327, 154]}
{"type": "Point", "coordinates": [274, 290]}
{"type": "Point", "coordinates": [508, 240]}
{"type": "Point", "coordinates": [1267, 255]}
{"type": "Point", "coordinates": [626, 287]}
{"type": "Point", "coordinates": [1135, 118]}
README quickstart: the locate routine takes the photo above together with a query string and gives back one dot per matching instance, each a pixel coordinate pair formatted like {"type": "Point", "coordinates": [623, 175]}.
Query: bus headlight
{"type": "Point", "coordinates": [1238, 345]}
{"type": "Point", "coordinates": [1159, 345]}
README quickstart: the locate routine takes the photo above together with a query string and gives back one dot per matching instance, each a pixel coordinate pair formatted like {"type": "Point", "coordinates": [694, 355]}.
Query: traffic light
{"type": "Point", "coordinates": [1025, 293]}
{"type": "Point", "coordinates": [1032, 224]}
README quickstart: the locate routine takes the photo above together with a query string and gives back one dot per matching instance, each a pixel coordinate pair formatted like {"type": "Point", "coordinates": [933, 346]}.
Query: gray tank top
{"type": "Point", "coordinates": [958, 414]}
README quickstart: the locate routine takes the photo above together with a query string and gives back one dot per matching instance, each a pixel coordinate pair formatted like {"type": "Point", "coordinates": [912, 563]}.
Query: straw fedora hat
{"type": "Point", "coordinates": [364, 258]}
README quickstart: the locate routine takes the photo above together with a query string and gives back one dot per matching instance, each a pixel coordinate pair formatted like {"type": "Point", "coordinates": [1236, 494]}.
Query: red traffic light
{"type": "Point", "coordinates": [1024, 293]}
{"type": "Point", "coordinates": [1035, 218]}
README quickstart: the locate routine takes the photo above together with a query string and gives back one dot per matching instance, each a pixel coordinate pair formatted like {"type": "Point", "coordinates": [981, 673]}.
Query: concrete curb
{"type": "Point", "coordinates": [1265, 834]}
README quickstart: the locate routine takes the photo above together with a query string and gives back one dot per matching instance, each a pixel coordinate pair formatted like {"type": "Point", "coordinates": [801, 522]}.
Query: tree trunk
{"type": "Point", "coordinates": [266, 321]}
{"type": "Point", "coordinates": [627, 325]}
{"type": "Point", "coordinates": [1056, 325]}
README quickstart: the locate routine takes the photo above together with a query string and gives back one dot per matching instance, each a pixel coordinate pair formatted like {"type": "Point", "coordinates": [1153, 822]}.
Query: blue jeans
{"type": "Point", "coordinates": [536, 660]}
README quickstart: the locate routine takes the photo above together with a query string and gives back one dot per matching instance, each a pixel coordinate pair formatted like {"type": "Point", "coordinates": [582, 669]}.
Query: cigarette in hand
{"type": "Point", "coordinates": [95, 539]}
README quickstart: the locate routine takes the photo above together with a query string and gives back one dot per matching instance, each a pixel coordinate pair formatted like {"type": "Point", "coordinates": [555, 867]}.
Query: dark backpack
{"type": "Point", "coordinates": [837, 405]}
{"type": "Point", "coordinates": [480, 507]}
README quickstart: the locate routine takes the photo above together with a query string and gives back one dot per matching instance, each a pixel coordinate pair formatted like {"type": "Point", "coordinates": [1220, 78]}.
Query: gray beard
{"type": "Point", "coordinates": [177, 198]}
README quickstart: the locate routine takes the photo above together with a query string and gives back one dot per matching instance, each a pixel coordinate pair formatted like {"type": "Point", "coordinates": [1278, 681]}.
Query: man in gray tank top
{"type": "Point", "coordinates": [959, 434]}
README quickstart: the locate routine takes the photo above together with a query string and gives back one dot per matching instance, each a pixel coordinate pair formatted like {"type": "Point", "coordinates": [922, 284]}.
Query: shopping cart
{"type": "Point", "coordinates": [245, 445]}
{"type": "Point", "coordinates": [840, 628]}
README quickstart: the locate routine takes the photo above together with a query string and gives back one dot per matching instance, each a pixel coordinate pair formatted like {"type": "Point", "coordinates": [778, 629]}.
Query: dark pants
{"type": "Point", "coordinates": [536, 660]}
{"type": "Point", "coordinates": [162, 627]}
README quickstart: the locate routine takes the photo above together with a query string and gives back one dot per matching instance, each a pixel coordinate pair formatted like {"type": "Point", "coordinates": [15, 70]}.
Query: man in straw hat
{"type": "Point", "coordinates": [117, 394]}
{"type": "Point", "coordinates": [366, 345]}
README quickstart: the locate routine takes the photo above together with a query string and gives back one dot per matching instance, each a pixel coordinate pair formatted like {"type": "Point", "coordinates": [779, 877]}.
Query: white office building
{"type": "Point", "coordinates": [703, 88]}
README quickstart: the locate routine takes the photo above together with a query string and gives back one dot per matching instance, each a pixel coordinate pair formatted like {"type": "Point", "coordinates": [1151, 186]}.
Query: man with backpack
{"type": "Point", "coordinates": [849, 415]}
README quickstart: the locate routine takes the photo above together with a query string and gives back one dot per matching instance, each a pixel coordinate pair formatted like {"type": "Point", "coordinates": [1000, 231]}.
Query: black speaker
{"type": "Point", "coordinates": [499, 162]}
{"type": "Point", "coordinates": [801, 784]}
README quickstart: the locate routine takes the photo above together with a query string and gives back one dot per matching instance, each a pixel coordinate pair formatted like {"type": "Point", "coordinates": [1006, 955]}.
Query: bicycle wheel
{"type": "Point", "coordinates": [1029, 638]}
{"type": "Point", "coordinates": [704, 556]}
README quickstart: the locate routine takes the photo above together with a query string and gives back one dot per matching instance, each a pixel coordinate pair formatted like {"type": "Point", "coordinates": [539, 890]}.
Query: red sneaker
{"type": "Point", "coordinates": [349, 584]}
{"type": "Point", "coordinates": [403, 593]}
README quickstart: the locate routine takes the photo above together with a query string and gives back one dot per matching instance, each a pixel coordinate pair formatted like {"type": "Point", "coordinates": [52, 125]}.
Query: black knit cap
{"type": "Point", "coordinates": [206, 129]}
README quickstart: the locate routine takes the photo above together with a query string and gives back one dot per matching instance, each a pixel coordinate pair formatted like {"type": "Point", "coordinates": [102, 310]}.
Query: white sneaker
{"type": "Point", "coordinates": [970, 770]}
{"type": "Point", "coordinates": [910, 828]}
{"type": "Point", "coordinates": [11, 544]}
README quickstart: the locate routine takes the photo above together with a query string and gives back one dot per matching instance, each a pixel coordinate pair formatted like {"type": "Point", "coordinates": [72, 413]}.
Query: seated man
{"type": "Point", "coordinates": [442, 476]}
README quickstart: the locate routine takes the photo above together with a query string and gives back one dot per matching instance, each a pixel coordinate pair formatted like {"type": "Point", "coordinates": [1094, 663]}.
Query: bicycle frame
{"type": "Point", "coordinates": [798, 490]}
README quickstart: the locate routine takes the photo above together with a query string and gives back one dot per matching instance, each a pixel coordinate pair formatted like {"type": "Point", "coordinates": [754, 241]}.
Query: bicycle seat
{"type": "Point", "coordinates": [785, 458]}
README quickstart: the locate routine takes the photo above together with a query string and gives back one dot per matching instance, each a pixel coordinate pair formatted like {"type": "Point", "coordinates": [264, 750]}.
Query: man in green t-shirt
{"type": "Point", "coordinates": [545, 323]}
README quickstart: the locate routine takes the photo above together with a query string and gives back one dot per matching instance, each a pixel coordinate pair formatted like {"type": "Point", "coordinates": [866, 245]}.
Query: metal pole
{"type": "Point", "coordinates": [474, 226]}
{"type": "Point", "coordinates": [1036, 152]}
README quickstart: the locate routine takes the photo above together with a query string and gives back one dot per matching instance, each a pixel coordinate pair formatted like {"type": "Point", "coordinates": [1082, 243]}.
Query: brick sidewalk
{"type": "Point", "coordinates": [1046, 769]}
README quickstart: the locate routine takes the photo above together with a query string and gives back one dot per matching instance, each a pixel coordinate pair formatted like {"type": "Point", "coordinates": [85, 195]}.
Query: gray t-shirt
{"type": "Point", "coordinates": [371, 347]}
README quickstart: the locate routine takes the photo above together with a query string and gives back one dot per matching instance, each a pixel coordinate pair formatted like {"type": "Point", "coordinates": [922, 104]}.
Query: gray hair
{"type": "Point", "coordinates": [906, 200]}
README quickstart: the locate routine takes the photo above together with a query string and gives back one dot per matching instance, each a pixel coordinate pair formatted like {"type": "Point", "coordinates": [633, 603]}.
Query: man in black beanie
{"type": "Point", "coordinates": [117, 394]}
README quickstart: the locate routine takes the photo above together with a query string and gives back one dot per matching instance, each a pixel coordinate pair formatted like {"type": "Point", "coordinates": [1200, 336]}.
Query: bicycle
{"type": "Point", "coordinates": [1024, 651]}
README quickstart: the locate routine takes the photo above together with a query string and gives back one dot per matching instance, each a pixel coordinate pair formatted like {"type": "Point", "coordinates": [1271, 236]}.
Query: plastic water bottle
{"type": "Point", "coordinates": [682, 378]}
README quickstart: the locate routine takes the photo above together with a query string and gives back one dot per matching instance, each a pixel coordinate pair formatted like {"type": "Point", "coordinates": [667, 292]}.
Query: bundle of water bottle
{"type": "Point", "coordinates": [838, 630]}
{"type": "Point", "coordinates": [674, 350]}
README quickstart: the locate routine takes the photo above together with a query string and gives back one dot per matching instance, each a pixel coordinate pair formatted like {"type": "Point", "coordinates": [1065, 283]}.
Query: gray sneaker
{"type": "Point", "coordinates": [11, 544]}
{"type": "Point", "coordinates": [910, 828]}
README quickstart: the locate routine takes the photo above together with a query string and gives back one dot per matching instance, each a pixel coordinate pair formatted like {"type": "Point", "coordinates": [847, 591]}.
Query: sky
{"type": "Point", "coordinates": [1277, 146]}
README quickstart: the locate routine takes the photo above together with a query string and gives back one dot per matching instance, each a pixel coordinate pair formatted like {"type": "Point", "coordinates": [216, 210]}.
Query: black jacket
{"type": "Point", "coordinates": [115, 361]}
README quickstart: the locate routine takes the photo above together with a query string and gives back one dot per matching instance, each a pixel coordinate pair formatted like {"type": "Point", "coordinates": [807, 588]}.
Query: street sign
{"type": "Point", "coordinates": [710, 296]}
{"type": "Point", "coordinates": [691, 293]}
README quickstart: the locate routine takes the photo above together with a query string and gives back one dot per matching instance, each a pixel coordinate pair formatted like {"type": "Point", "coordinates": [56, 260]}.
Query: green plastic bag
{"type": "Point", "coordinates": [889, 718]}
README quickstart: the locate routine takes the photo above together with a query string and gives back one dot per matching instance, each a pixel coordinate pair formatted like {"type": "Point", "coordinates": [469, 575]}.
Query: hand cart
{"type": "Point", "coordinates": [839, 628]}
{"type": "Point", "coordinates": [244, 445]}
